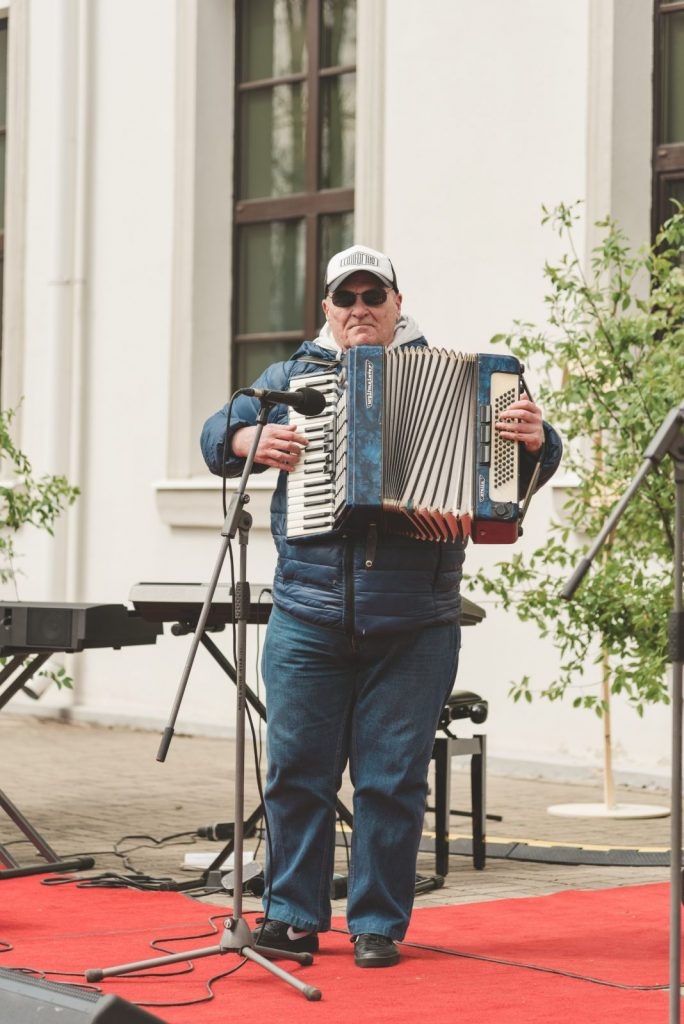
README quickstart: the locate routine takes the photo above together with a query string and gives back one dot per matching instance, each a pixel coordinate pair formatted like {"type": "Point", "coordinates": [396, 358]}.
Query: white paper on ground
{"type": "Point", "coordinates": [198, 860]}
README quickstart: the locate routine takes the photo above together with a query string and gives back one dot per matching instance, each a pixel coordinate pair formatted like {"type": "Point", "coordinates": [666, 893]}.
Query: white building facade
{"type": "Point", "coordinates": [120, 278]}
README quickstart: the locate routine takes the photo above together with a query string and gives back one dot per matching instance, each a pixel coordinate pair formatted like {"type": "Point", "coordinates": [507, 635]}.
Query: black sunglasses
{"type": "Point", "coordinates": [371, 297]}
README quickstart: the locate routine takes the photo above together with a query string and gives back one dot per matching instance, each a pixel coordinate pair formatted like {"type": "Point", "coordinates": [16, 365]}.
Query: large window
{"type": "Point", "coordinates": [3, 148]}
{"type": "Point", "coordinates": [668, 120]}
{"type": "Point", "coordinates": [294, 169]}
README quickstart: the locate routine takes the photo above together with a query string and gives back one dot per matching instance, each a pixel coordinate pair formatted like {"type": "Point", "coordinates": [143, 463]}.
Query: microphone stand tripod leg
{"type": "Point", "coordinates": [238, 938]}
{"type": "Point", "coordinates": [311, 993]}
{"type": "Point", "coordinates": [95, 974]}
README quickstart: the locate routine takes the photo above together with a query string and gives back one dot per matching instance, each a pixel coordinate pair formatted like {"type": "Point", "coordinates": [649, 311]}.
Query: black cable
{"type": "Point", "coordinates": [347, 847]}
{"type": "Point", "coordinates": [190, 837]}
{"type": "Point", "coordinates": [113, 880]}
{"type": "Point", "coordinates": [224, 457]}
{"type": "Point", "coordinates": [481, 958]}
{"type": "Point", "coordinates": [255, 745]}
{"type": "Point", "coordinates": [538, 967]}
{"type": "Point", "coordinates": [156, 944]}
{"type": "Point", "coordinates": [257, 762]}
{"type": "Point", "coordinates": [267, 895]}
{"type": "Point", "coordinates": [258, 752]}
{"type": "Point", "coordinates": [46, 973]}
{"type": "Point", "coordinates": [135, 880]}
{"type": "Point", "coordinates": [211, 995]}
{"type": "Point", "coordinates": [41, 975]}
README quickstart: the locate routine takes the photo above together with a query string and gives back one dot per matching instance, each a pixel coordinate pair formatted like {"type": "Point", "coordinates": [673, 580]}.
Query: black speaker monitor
{"type": "Point", "coordinates": [25, 1000]}
{"type": "Point", "coordinates": [29, 626]}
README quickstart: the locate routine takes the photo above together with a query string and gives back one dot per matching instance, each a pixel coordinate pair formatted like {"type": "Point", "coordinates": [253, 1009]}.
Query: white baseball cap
{"type": "Point", "coordinates": [359, 257]}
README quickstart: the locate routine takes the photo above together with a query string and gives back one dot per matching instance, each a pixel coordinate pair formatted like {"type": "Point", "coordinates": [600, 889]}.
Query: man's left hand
{"type": "Point", "coordinates": [522, 421]}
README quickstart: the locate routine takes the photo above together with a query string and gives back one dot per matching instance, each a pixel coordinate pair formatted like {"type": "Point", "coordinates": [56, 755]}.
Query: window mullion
{"type": "Point", "coordinates": [668, 157]}
{"type": "Point", "coordinates": [312, 293]}
{"type": "Point", "coordinates": [334, 200]}
{"type": "Point", "coordinates": [312, 127]}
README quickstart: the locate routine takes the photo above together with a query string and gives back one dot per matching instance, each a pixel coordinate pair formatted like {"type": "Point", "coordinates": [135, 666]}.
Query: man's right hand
{"type": "Point", "coordinates": [279, 445]}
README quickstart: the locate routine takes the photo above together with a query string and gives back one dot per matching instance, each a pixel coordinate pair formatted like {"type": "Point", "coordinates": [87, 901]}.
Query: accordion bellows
{"type": "Point", "coordinates": [407, 440]}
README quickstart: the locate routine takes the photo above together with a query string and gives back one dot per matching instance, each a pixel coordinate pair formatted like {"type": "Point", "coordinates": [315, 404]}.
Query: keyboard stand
{"type": "Point", "coordinates": [12, 868]}
{"type": "Point", "coordinates": [30, 634]}
{"type": "Point", "coordinates": [18, 661]}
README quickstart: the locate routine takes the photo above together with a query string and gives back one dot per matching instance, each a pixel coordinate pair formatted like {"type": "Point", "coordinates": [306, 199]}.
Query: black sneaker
{"type": "Point", "coordinates": [281, 935]}
{"type": "Point", "coordinates": [374, 951]}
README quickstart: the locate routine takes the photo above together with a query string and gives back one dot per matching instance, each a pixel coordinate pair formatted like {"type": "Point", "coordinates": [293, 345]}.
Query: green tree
{"type": "Point", "coordinates": [26, 500]}
{"type": "Point", "coordinates": [610, 360]}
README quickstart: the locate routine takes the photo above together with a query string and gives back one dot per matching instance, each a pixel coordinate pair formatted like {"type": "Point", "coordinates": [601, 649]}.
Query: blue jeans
{"type": "Point", "coordinates": [372, 701]}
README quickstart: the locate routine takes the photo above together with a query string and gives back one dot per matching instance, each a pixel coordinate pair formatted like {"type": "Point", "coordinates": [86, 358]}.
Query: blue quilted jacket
{"type": "Point", "coordinates": [367, 583]}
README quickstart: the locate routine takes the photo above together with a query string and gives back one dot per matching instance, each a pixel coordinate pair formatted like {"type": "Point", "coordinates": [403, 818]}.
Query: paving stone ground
{"type": "Point", "coordinates": [98, 790]}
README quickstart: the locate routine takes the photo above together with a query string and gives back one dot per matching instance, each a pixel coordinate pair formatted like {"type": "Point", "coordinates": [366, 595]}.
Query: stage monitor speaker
{"type": "Point", "coordinates": [25, 1000]}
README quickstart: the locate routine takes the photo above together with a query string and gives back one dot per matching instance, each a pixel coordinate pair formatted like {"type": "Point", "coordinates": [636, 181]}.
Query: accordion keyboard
{"type": "Point", "coordinates": [310, 485]}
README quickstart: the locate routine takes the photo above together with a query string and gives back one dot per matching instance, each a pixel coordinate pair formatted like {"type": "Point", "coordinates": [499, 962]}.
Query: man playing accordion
{"type": "Point", "coordinates": [361, 649]}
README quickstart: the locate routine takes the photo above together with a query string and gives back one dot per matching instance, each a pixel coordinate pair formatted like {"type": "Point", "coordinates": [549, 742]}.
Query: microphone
{"type": "Point", "coordinates": [307, 401]}
{"type": "Point", "coordinates": [221, 830]}
{"type": "Point", "coordinates": [424, 884]}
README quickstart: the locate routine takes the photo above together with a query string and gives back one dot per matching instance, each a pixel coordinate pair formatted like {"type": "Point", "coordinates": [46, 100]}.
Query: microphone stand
{"type": "Point", "coordinates": [237, 936]}
{"type": "Point", "coordinates": [668, 441]}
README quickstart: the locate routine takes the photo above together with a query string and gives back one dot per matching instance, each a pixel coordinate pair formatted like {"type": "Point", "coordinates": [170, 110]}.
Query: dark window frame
{"type": "Point", "coordinates": [668, 158]}
{"type": "Point", "coordinates": [4, 27]}
{"type": "Point", "coordinates": [309, 206]}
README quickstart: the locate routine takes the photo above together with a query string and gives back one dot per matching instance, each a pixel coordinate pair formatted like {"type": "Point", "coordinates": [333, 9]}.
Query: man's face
{"type": "Point", "coordinates": [362, 324]}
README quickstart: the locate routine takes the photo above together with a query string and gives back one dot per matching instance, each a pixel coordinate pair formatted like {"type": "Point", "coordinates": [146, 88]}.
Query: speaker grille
{"type": "Point", "coordinates": [49, 628]}
{"type": "Point", "coordinates": [25, 999]}
{"type": "Point", "coordinates": [20, 979]}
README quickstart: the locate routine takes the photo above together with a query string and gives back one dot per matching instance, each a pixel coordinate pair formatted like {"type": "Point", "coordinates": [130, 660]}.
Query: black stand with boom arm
{"type": "Point", "coordinates": [668, 441]}
{"type": "Point", "coordinates": [237, 936]}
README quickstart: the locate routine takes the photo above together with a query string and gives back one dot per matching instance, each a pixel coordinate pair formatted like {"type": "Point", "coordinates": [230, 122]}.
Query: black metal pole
{"type": "Point", "coordinates": [669, 440]}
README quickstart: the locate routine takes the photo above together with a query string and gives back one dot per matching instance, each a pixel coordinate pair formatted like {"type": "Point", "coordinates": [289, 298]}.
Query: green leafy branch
{"type": "Point", "coordinates": [616, 334]}
{"type": "Point", "coordinates": [26, 500]}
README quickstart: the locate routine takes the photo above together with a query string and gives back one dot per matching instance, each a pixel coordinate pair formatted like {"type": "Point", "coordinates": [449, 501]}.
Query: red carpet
{"type": "Point", "coordinates": [518, 960]}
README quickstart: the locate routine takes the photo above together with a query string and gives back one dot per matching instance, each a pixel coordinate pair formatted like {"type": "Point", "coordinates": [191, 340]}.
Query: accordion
{"type": "Point", "coordinates": [407, 440]}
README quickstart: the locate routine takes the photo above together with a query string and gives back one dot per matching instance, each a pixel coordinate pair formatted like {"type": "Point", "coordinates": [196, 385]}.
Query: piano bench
{"type": "Point", "coordinates": [461, 704]}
